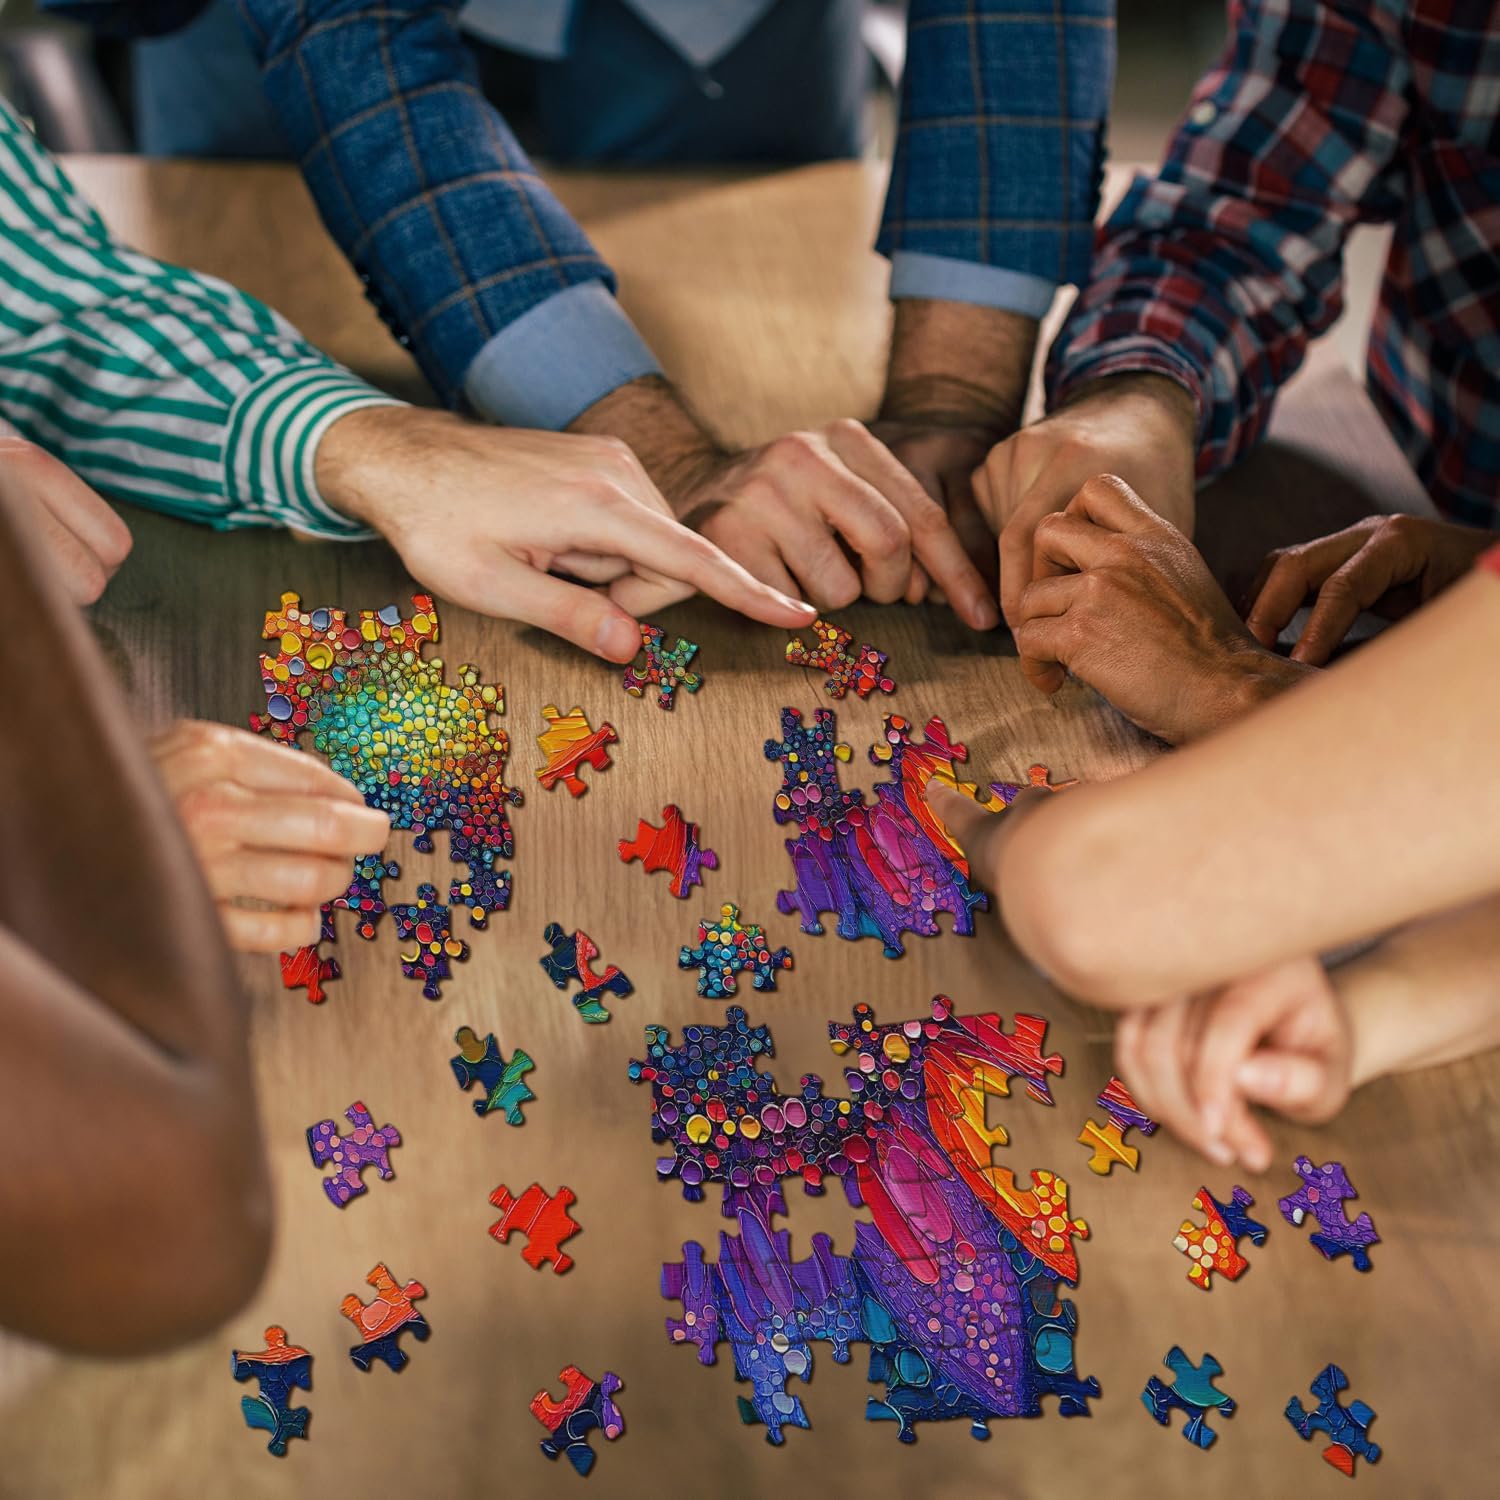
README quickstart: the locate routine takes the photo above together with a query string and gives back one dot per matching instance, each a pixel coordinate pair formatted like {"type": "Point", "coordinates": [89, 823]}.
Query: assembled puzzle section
{"type": "Point", "coordinates": [570, 743]}
{"type": "Point", "coordinates": [424, 924]}
{"type": "Point", "coordinates": [588, 1406]}
{"type": "Point", "coordinates": [1214, 1246]}
{"type": "Point", "coordinates": [381, 1320]}
{"type": "Point", "coordinates": [544, 1220]}
{"type": "Point", "coordinates": [364, 1146]}
{"type": "Point", "coordinates": [282, 1368]}
{"type": "Point", "coordinates": [501, 1080]}
{"type": "Point", "coordinates": [674, 847]}
{"type": "Point", "coordinates": [1191, 1392]}
{"type": "Point", "coordinates": [1324, 1192]}
{"type": "Point", "coordinates": [727, 948]}
{"type": "Point", "coordinates": [1108, 1141]}
{"type": "Point", "coordinates": [665, 669]}
{"type": "Point", "coordinates": [418, 747]}
{"type": "Point", "coordinates": [1347, 1426]}
{"type": "Point", "coordinates": [572, 960]}
{"type": "Point", "coordinates": [862, 669]}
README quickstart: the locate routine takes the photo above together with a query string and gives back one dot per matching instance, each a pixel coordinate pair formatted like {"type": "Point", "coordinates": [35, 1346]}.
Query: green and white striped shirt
{"type": "Point", "coordinates": [157, 385]}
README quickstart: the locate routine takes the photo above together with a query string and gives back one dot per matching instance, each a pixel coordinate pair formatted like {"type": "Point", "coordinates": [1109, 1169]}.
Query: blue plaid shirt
{"type": "Point", "coordinates": [501, 297]}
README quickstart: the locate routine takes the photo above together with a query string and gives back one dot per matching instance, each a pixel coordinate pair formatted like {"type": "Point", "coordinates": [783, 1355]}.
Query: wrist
{"type": "Point", "coordinates": [1254, 678]}
{"type": "Point", "coordinates": [1375, 993]}
{"type": "Point", "coordinates": [350, 459]}
{"type": "Point", "coordinates": [1158, 398]}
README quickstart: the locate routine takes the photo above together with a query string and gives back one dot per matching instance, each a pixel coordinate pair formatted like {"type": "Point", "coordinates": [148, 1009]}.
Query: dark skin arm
{"type": "Point", "coordinates": [135, 1197]}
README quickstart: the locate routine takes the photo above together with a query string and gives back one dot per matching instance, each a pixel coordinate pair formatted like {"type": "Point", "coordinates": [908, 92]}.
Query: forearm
{"type": "Point", "coordinates": [1360, 801]}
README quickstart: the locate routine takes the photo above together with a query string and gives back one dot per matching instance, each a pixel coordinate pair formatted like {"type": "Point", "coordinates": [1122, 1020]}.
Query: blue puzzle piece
{"type": "Point", "coordinates": [502, 1081]}
{"type": "Point", "coordinates": [1345, 1425]}
{"type": "Point", "coordinates": [387, 1349]}
{"type": "Point", "coordinates": [281, 1368]}
{"type": "Point", "coordinates": [1192, 1392]}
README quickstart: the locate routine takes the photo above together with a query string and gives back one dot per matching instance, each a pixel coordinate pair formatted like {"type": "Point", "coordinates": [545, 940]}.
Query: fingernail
{"type": "Point", "coordinates": [617, 639]}
{"type": "Point", "coordinates": [983, 612]}
{"type": "Point", "coordinates": [1218, 1153]}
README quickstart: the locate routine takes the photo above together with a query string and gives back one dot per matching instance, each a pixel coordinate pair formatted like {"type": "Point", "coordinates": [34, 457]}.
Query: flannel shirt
{"type": "Point", "coordinates": [1219, 268]}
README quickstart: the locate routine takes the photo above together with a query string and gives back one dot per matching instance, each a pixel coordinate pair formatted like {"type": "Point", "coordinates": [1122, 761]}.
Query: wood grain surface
{"type": "Point", "coordinates": [762, 297]}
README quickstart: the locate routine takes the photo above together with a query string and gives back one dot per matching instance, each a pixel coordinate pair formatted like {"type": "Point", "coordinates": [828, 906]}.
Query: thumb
{"type": "Point", "coordinates": [1290, 1082]}
{"type": "Point", "coordinates": [970, 826]}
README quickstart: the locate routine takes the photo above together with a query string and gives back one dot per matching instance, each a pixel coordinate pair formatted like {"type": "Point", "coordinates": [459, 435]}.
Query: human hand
{"type": "Point", "coordinates": [1388, 564]}
{"type": "Point", "coordinates": [268, 824]}
{"type": "Point", "coordinates": [1124, 601]}
{"type": "Point", "coordinates": [78, 529]}
{"type": "Point", "coordinates": [487, 516]}
{"type": "Point", "coordinates": [1281, 1038]}
{"type": "Point", "coordinates": [1141, 427]}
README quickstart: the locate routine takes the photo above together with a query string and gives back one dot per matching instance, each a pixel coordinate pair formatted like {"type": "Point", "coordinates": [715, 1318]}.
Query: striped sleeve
{"type": "Point", "coordinates": [157, 385]}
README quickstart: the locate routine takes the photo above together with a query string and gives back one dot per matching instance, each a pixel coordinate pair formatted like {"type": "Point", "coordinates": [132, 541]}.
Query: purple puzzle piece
{"type": "Point", "coordinates": [364, 1146]}
{"type": "Point", "coordinates": [1323, 1193]}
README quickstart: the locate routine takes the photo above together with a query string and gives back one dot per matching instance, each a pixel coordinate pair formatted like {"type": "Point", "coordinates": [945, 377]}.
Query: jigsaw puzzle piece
{"type": "Point", "coordinates": [1037, 777]}
{"type": "Point", "coordinates": [674, 847]}
{"type": "Point", "coordinates": [281, 1368]}
{"type": "Point", "coordinates": [1347, 1426]}
{"type": "Point", "coordinates": [569, 743]}
{"type": "Point", "coordinates": [364, 1146]}
{"type": "Point", "coordinates": [588, 1406]}
{"type": "Point", "coordinates": [543, 1218]}
{"type": "Point", "coordinates": [572, 958]}
{"type": "Point", "coordinates": [384, 1318]}
{"type": "Point", "coordinates": [666, 668]}
{"type": "Point", "coordinates": [1192, 1392]}
{"type": "Point", "coordinates": [726, 949]}
{"type": "Point", "coordinates": [1214, 1246]}
{"type": "Point", "coordinates": [425, 923]}
{"type": "Point", "coordinates": [1323, 1193]}
{"type": "Point", "coordinates": [307, 969]}
{"type": "Point", "coordinates": [862, 669]}
{"type": "Point", "coordinates": [1108, 1140]}
{"type": "Point", "coordinates": [503, 1082]}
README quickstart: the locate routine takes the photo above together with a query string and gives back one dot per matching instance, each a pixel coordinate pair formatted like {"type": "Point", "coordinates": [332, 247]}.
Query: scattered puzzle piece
{"type": "Point", "coordinates": [1108, 1141]}
{"type": "Point", "coordinates": [674, 846]}
{"type": "Point", "coordinates": [569, 743]}
{"type": "Point", "coordinates": [1346, 1426]}
{"type": "Point", "coordinates": [543, 1218]}
{"type": "Point", "coordinates": [364, 1146]}
{"type": "Point", "coordinates": [1323, 1193]}
{"type": "Point", "coordinates": [666, 667]}
{"type": "Point", "coordinates": [863, 669]}
{"type": "Point", "coordinates": [381, 1320]}
{"type": "Point", "coordinates": [572, 957]}
{"type": "Point", "coordinates": [1215, 1247]}
{"type": "Point", "coordinates": [725, 949]}
{"type": "Point", "coordinates": [307, 969]}
{"type": "Point", "coordinates": [1192, 1392]}
{"type": "Point", "coordinates": [481, 1062]}
{"type": "Point", "coordinates": [588, 1405]}
{"type": "Point", "coordinates": [281, 1368]}
{"type": "Point", "coordinates": [425, 922]}
{"type": "Point", "coordinates": [1037, 776]}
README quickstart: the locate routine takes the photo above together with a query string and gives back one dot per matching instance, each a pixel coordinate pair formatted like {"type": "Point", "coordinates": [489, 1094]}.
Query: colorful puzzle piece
{"type": "Point", "coordinates": [382, 1319]}
{"type": "Point", "coordinates": [1192, 1392]}
{"type": "Point", "coordinates": [589, 1404]}
{"type": "Point", "coordinates": [569, 743]}
{"type": "Point", "coordinates": [1038, 777]}
{"type": "Point", "coordinates": [543, 1218]}
{"type": "Point", "coordinates": [425, 923]}
{"type": "Point", "coordinates": [1323, 1193]}
{"type": "Point", "coordinates": [281, 1368]}
{"type": "Point", "coordinates": [666, 667]}
{"type": "Point", "coordinates": [1108, 1141]}
{"type": "Point", "coordinates": [674, 846]}
{"type": "Point", "coordinates": [1346, 1426]}
{"type": "Point", "coordinates": [364, 1146]}
{"type": "Point", "coordinates": [726, 948]}
{"type": "Point", "coordinates": [1215, 1246]}
{"type": "Point", "coordinates": [863, 669]}
{"type": "Point", "coordinates": [418, 747]}
{"type": "Point", "coordinates": [503, 1082]}
{"type": "Point", "coordinates": [572, 957]}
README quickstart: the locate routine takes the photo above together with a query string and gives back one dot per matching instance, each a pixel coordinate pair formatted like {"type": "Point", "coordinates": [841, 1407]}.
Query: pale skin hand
{"type": "Point", "coordinates": [828, 513]}
{"type": "Point", "coordinates": [1141, 427]}
{"type": "Point", "coordinates": [1389, 564]}
{"type": "Point", "coordinates": [269, 825]}
{"type": "Point", "coordinates": [1123, 601]}
{"type": "Point", "coordinates": [488, 516]}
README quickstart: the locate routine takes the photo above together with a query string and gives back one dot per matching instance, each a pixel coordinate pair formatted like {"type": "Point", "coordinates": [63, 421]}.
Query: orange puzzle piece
{"type": "Point", "coordinates": [568, 743]}
{"type": "Point", "coordinates": [543, 1218]}
{"type": "Point", "coordinates": [1214, 1246]}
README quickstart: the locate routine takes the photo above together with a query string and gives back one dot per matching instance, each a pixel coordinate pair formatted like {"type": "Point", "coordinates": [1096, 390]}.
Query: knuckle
{"type": "Point", "coordinates": [848, 427]}
{"type": "Point", "coordinates": [203, 809]}
{"type": "Point", "coordinates": [797, 449]}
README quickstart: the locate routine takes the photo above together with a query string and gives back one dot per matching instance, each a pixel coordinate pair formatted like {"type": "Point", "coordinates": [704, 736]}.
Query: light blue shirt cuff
{"type": "Point", "coordinates": [557, 359]}
{"type": "Point", "coordinates": [915, 274]}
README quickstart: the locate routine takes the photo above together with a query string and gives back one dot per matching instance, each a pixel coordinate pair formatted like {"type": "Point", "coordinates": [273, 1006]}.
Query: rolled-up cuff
{"type": "Point", "coordinates": [1136, 355]}
{"type": "Point", "coordinates": [914, 273]}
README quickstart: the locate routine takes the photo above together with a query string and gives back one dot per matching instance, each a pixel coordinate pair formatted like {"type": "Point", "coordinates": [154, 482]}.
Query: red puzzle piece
{"type": "Point", "coordinates": [674, 846]}
{"type": "Point", "coordinates": [306, 969]}
{"type": "Point", "coordinates": [543, 1218]}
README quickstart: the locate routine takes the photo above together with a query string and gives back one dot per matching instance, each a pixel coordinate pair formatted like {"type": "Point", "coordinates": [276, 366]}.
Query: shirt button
{"type": "Point", "coordinates": [1203, 113]}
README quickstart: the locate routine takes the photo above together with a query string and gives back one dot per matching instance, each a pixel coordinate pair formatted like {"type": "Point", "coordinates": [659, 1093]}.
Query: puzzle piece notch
{"type": "Point", "coordinates": [307, 969]}
{"type": "Point", "coordinates": [588, 1406]}
{"type": "Point", "coordinates": [425, 923]}
{"type": "Point", "coordinates": [1214, 1246]}
{"type": "Point", "coordinates": [1108, 1142]}
{"type": "Point", "coordinates": [1191, 1392]}
{"type": "Point", "coordinates": [281, 1368]}
{"type": "Point", "coordinates": [727, 948]}
{"type": "Point", "coordinates": [673, 847]}
{"type": "Point", "coordinates": [364, 1146]}
{"type": "Point", "coordinates": [666, 667]}
{"type": "Point", "coordinates": [381, 1320]}
{"type": "Point", "coordinates": [1323, 1193]}
{"type": "Point", "coordinates": [502, 1081]}
{"type": "Point", "coordinates": [1347, 1426]}
{"type": "Point", "coordinates": [543, 1218]}
{"type": "Point", "coordinates": [572, 957]}
{"type": "Point", "coordinates": [862, 669]}
{"type": "Point", "coordinates": [569, 742]}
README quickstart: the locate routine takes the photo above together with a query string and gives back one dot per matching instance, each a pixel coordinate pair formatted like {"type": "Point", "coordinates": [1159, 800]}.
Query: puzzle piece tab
{"type": "Point", "coordinates": [674, 846]}
{"type": "Point", "coordinates": [364, 1146]}
{"type": "Point", "coordinates": [666, 667]}
{"type": "Point", "coordinates": [1346, 1426]}
{"type": "Point", "coordinates": [572, 957]}
{"type": "Point", "coordinates": [569, 743]}
{"type": "Point", "coordinates": [543, 1218]}
{"type": "Point", "coordinates": [1108, 1141]}
{"type": "Point", "coordinates": [281, 1368]}
{"type": "Point", "coordinates": [588, 1404]}
{"type": "Point", "coordinates": [425, 923]}
{"type": "Point", "coordinates": [1214, 1246]}
{"type": "Point", "coordinates": [381, 1320]}
{"type": "Point", "coordinates": [862, 669]}
{"type": "Point", "coordinates": [726, 948]}
{"type": "Point", "coordinates": [1323, 1193]}
{"type": "Point", "coordinates": [1192, 1392]}
{"type": "Point", "coordinates": [503, 1083]}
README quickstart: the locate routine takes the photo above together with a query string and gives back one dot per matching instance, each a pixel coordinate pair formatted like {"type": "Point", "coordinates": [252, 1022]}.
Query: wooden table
{"type": "Point", "coordinates": [761, 295]}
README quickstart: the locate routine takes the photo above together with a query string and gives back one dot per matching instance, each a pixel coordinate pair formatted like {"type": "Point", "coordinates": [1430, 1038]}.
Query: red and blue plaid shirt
{"type": "Point", "coordinates": [1220, 268]}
